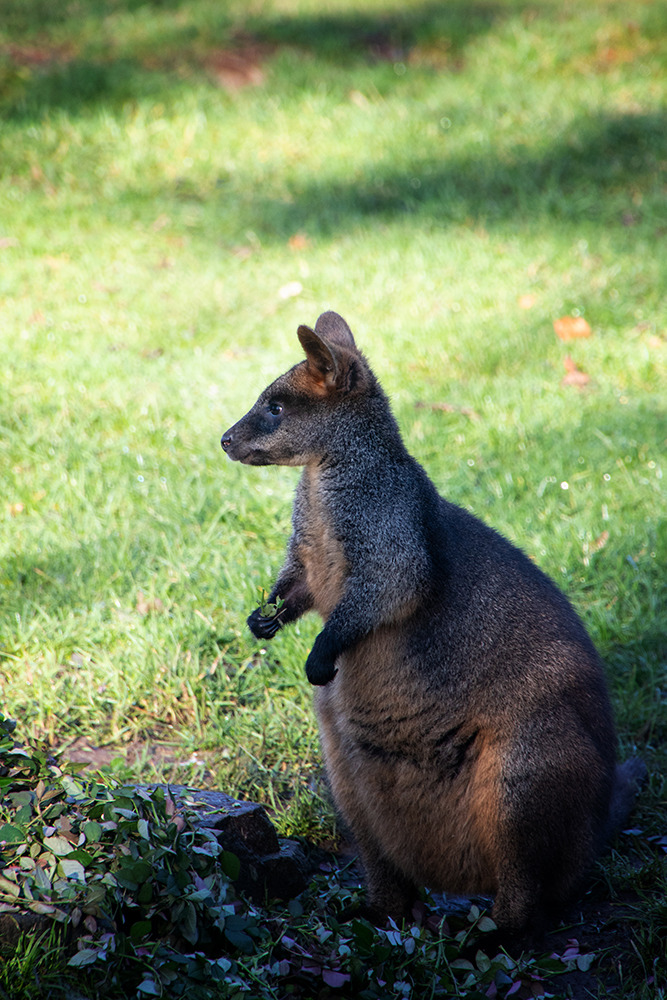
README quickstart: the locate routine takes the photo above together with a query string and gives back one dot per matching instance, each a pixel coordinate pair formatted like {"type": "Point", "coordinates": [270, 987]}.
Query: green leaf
{"type": "Point", "coordinates": [230, 865]}
{"type": "Point", "coordinates": [364, 936]}
{"type": "Point", "coordinates": [78, 854]}
{"type": "Point", "coordinates": [84, 957]}
{"type": "Point", "coordinates": [41, 879]}
{"type": "Point", "coordinates": [93, 831]}
{"type": "Point", "coordinates": [142, 828]}
{"type": "Point", "coordinates": [145, 893]}
{"type": "Point", "coordinates": [188, 924]}
{"type": "Point", "coordinates": [486, 924]}
{"type": "Point", "coordinates": [482, 961]}
{"type": "Point", "coordinates": [73, 788]}
{"type": "Point", "coordinates": [72, 870]}
{"type": "Point", "coordinates": [58, 845]}
{"type": "Point", "coordinates": [140, 930]}
{"type": "Point", "coordinates": [149, 988]}
{"type": "Point", "coordinates": [295, 908]}
{"type": "Point", "coordinates": [584, 962]}
{"type": "Point", "coordinates": [240, 940]}
{"type": "Point", "coordinates": [7, 887]}
{"type": "Point", "coordinates": [11, 834]}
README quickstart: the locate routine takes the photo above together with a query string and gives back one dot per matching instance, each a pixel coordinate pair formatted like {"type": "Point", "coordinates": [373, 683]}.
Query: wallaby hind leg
{"type": "Point", "coordinates": [390, 892]}
{"type": "Point", "coordinates": [517, 907]}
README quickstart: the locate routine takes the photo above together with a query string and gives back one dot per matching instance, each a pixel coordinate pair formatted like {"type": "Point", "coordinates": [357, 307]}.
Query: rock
{"type": "Point", "coordinates": [269, 867]}
{"type": "Point", "coordinates": [15, 922]}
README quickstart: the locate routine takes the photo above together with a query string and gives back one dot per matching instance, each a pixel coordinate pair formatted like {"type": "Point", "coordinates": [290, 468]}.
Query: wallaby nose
{"type": "Point", "coordinates": [226, 440]}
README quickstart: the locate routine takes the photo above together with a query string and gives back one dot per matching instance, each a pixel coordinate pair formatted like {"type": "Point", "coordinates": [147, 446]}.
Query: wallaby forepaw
{"type": "Point", "coordinates": [263, 626]}
{"type": "Point", "coordinates": [320, 669]}
{"type": "Point", "coordinates": [321, 662]}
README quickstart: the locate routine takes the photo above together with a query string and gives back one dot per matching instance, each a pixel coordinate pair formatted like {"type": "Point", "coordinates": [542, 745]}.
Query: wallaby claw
{"type": "Point", "coordinates": [263, 626]}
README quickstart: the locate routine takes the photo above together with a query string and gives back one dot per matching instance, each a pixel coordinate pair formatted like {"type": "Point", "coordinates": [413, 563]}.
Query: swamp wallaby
{"type": "Point", "coordinates": [464, 717]}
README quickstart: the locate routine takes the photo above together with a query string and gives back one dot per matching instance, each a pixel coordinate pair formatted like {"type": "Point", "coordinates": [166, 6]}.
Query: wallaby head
{"type": "Point", "coordinates": [283, 427]}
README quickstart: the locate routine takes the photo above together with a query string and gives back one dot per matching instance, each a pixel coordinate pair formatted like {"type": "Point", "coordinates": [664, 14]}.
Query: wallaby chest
{"type": "Point", "coordinates": [318, 546]}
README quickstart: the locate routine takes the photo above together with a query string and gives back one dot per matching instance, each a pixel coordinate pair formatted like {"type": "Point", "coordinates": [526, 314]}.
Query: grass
{"type": "Point", "coordinates": [451, 178]}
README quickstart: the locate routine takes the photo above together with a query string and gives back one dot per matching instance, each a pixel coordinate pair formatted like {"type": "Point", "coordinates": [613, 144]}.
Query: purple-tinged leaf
{"type": "Point", "coordinates": [335, 979]}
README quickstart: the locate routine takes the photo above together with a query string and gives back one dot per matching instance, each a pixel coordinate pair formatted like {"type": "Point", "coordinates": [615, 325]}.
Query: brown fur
{"type": "Point", "coordinates": [463, 712]}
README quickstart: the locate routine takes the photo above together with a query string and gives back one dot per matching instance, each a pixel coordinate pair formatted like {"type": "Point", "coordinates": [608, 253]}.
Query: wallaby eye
{"type": "Point", "coordinates": [275, 409]}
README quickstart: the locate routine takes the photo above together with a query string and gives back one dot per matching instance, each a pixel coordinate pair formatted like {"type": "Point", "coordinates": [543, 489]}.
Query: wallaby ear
{"type": "Point", "coordinates": [335, 330]}
{"type": "Point", "coordinates": [319, 356]}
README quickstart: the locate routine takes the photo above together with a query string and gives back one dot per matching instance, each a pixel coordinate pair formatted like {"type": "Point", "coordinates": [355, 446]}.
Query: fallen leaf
{"type": "Point", "coordinates": [161, 221]}
{"type": "Point", "coordinates": [448, 408]}
{"type": "Point", "coordinates": [655, 342]}
{"type": "Point", "coordinates": [358, 98]}
{"type": "Point", "coordinates": [152, 354]}
{"type": "Point", "coordinates": [242, 68]}
{"type": "Point", "coordinates": [590, 547]}
{"type": "Point", "coordinates": [527, 301]}
{"type": "Point", "coordinates": [242, 252]}
{"type": "Point", "coordinates": [37, 317]}
{"type": "Point", "coordinates": [8, 241]}
{"type": "Point", "coordinates": [15, 508]}
{"type": "Point", "coordinates": [574, 375]}
{"type": "Point", "coordinates": [571, 327]}
{"type": "Point", "coordinates": [298, 242]}
{"type": "Point", "coordinates": [146, 605]}
{"type": "Point", "coordinates": [55, 263]}
{"type": "Point", "coordinates": [290, 290]}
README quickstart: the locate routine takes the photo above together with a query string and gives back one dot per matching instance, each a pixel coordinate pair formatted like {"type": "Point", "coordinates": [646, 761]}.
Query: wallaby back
{"type": "Point", "coordinates": [463, 711]}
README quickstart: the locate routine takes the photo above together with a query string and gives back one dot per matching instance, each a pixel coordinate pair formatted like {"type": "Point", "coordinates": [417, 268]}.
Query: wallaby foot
{"type": "Point", "coordinates": [629, 778]}
{"type": "Point", "coordinates": [390, 892]}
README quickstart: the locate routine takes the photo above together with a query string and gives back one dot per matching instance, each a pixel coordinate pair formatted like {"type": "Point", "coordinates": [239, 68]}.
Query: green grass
{"type": "Point", "coordinates": [436, 163]}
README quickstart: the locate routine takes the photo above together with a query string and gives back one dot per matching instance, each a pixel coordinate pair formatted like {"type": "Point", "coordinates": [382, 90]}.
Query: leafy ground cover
{"type": "Point", "coordinates": [181, 185]}
{"type": "Point", "coordinates": [140, 902]}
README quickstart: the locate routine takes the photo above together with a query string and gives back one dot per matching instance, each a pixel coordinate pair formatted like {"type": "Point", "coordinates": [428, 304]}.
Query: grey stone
{"type": "Point", "coordinates": [269, 867]}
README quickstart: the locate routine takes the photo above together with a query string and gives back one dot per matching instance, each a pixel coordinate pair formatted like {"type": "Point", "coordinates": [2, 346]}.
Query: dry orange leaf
{"type": "Point", "coordinates": [574, 375]}
{"type": "Point", "coordinates": [298, 242]}
{"type": "Point", "coordinates": [571, 327]}
{"type": "Point", "coordinates": [527, 301]}
{"type": "Point", "coordinates": [591, 547]}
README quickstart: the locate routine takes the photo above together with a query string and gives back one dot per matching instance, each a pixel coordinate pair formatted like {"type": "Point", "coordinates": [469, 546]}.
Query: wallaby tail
{"type": "Point", "coordinates": [630, 776]}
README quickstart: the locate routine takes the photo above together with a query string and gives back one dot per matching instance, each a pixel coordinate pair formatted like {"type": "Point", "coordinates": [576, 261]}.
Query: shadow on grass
{"type": "Point", "coordinates": [391, 34]}
{"type": "Point", "coordinates": [590, 174]}
{"type": "Point", "coordinates": [37, 78]}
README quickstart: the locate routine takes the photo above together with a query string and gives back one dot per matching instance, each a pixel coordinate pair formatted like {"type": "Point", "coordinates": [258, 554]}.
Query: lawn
{"type": "Point", "coordinates": [182, 184]}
